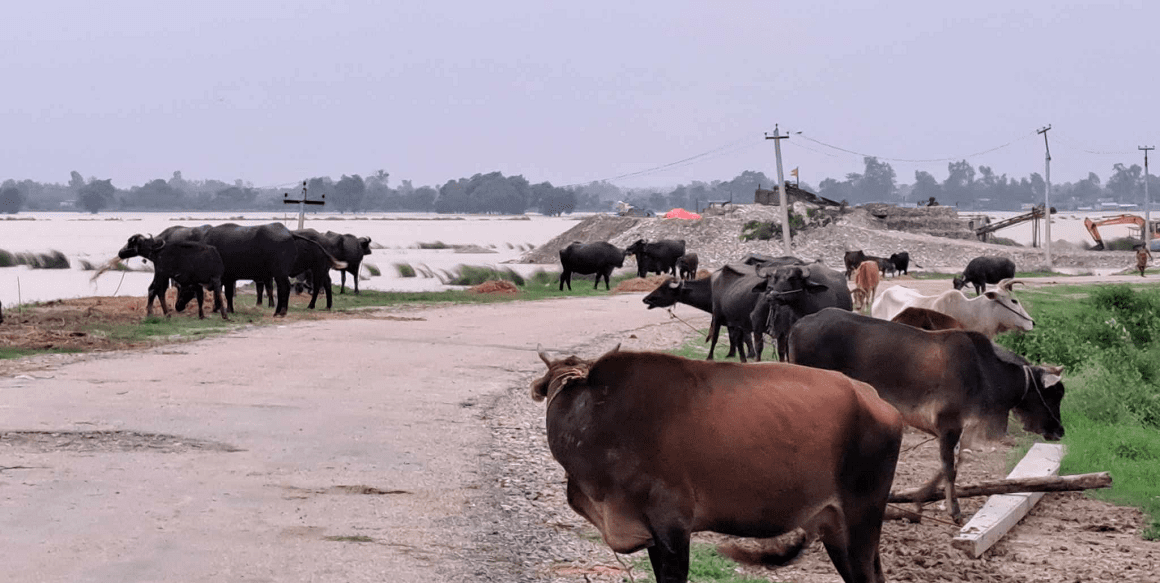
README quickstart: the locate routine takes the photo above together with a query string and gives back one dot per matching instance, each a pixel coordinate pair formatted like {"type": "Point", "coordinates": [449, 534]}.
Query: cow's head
{"type": "Point", "coordinates": [564, 373]}
{"type": "Point", "coordinates": [185, 293]}
{"type": "Point", "coordinates": [140, 245]}
{"type": "Point", "coordinates": [635, 248]}
{"type": "Point", "coordinates": [787, 283]}
{"type": "Point", "coordinates": [1011, 313]}
{"type": "Point", "coordinates": [959, 282]}
{"type": "Point", "coordinates": [665, 295]}
{"type": "Point", "coordinates": [1039, 409]}
{"type": "Point", "coordinates": [364, 243]}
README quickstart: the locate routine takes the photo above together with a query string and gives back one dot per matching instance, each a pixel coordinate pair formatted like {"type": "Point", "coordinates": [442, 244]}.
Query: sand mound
{"type": "Point", "coordinates": [496, 286]}
{"type": "Point", "coordinates": [638, 284]}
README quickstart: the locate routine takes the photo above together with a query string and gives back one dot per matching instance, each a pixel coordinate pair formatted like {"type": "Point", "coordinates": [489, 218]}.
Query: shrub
{"type": "Point", "coordinates": [6, 259]}
{"type": "Point", "coordinates": [50, 260]}
{"type": "Point", "coordinates": [405, 270]}
{"type": "Point", "coordinates": [435, 245]}
{"type": "Point", "coordinates": [475, 275]}
{"type": "Point", "coordinates": [372, 269]}
{"type": "Point", "coordinates": [765, 231]}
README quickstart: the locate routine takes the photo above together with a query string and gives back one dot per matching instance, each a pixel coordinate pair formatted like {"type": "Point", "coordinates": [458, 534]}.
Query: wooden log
{"type": "Point", "coordinates": [1004, 511]}
{"type": "Point", "coordinates": [1012, 486]}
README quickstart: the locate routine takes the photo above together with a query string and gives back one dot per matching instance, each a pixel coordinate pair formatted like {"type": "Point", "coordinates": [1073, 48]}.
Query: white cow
{"type": "Point", "coordinates": [991, 313]}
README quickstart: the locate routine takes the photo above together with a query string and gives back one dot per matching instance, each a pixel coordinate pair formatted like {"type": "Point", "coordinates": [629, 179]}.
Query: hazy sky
{"type": "Point", "coordinates": [274, 92]}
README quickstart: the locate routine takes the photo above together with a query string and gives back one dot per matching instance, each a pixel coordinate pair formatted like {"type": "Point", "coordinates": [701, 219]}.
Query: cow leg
{"type": "Point", "coordinates": [669, 557]}
{"type": "Point", "coordinates": [947, 444]}
{"type": "Point", "coordinates": [218, 304]}
{"type": "Point", "coordinates": [714, 331]}
{"type": "Point", "coordinates": [565, 277]}
{"type": "Point", "coordinates": [783, 347]}
{"type": "Point", "coordinates": [231, 287]}
{"type": "Point", "coordinates": [342, 282]}
{"type": "Point", "coordinates": [283, 283]}
{"type": "Point", "coordinates": [200, 293]}
{"type": "Point", "coordinates": [354, 278]}
{"type": "Point", "coordinates": [738, 340]}
{"type": "Point", "coordinates": [325, 281]}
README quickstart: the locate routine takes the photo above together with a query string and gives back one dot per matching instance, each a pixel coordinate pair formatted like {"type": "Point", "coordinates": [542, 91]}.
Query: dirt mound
{"type": "Point", "coordinates": [640, 284]}
{"type": "Point", "coordinates": [495, 286]}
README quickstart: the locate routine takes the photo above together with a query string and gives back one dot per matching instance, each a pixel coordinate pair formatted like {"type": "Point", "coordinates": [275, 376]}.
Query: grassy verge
{"type": "Point", "coordinates": [706, 565]}
{"type": "Point", "coordinates": [1108, 337]}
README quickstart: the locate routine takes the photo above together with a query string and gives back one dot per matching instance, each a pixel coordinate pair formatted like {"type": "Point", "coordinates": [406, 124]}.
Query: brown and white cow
{"type": "Point", "coordinates": [949, 383]}
{"type": "Point", "coordinates": [657, 447]}
{"type": "Point", "coordinates": [866, 279]}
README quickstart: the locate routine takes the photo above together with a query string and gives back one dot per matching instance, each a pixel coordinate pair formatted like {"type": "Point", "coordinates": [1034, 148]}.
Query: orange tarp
{"type": "Point", "coordinates": [681, 214]}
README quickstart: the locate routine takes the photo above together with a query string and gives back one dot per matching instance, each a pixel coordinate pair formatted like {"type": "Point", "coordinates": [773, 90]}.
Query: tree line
{"type": "Point", "coordinates": [965, 187]}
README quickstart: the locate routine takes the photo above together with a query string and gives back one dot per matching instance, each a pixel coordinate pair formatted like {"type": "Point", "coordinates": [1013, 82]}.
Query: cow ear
{"type": "Point", "coordinates": [614, 350]}
{"type": "Point", "coordinates": [991, 295]}
{"type": "Point", "coordinates": [1049, 380]}
{"type": "Point", "coordinates": [761, 287]}
{"type": "Point", "coordinates": [1053, 370]}
{"type": "Point", "coordinates": [815, 288]}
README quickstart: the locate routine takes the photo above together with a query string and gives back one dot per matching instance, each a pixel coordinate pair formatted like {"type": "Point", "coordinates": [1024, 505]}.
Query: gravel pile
{"type": "Point", "coordinates": [716, 239]}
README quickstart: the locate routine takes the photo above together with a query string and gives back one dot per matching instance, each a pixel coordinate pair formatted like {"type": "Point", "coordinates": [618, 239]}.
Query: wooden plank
{"type": "Point", "coordinates": [1004, 511]}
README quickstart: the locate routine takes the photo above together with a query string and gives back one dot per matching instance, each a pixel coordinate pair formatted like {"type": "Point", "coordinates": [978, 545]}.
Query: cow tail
{"type": "Point", "coordinates": [770, 552]}
{"type": "Point", "coordinates": [334, 262]}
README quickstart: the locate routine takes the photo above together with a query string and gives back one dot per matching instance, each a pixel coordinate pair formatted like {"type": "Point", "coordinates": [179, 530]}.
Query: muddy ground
{"type": "Point", "coordinates": [457, 485]}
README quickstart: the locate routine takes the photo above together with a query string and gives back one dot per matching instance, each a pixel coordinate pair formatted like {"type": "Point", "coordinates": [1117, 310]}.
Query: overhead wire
{"type": "Point", "coordinates": [720, 150]}
{"type": "Point", "coordinates": [918, 161]}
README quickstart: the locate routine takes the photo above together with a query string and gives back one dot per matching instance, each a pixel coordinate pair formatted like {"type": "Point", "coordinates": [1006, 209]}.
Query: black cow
{"type": "Point", "coordinates": [885, 266]}
{"type": "Point", "coordinates": [687, 265]}
{"type": "Point", "coordinates": [348, 249]}
{"type": "Point", "coordinates": [852, 260]}
{"type": "Point", "coordinates": [983, 270]}
{"type": "Point", "coordinates": [160, 283]}
{"type": "Point", "coordinates": [656, 447]}
{"type": "Point", "coordinates": [657, 257]}
{"type": "Point", "coordinates": [791, 292]}
{"type": "Point", "coordinates": [901, 262]}
{"type": "Point", "coordinates": [734, 300]}
{"type": "Point", "coordinates": [193, 266]}
{"type": "Point", "coordinates": [314, 263]}
{"type": "Point", "coordinates": [694, 292]}
{"type": "Point", "coordinates": [587, 258]}
{"type": "Point", "coordinates": [942, 382]}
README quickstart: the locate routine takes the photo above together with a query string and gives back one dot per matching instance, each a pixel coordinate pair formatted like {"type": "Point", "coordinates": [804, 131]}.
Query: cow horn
{"type": "Point", "coordinates": [1006, 284]}
{"type": "Point", "coordinates": [543, 355]}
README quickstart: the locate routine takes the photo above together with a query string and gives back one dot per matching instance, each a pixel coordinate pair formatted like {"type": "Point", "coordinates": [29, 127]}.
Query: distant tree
{"type": "Point", "coordinates": [96, 195]}
{"type": "Point", "coordinates": [76, 181]}
{"type": "Point", "coordinates": [155, 195]}
{"type": "Point", "coordinates": [925, 187]}
{"type": "Point", "coordinates": [552, 201]}
{"type": "Point", "coordinates": [835, 190]}
{"type": "Point", "coordinates": [1126, 182]}
{"type": "Point", "coordinates": [11, 199]}
{"type": "Point", "coordinates": [349, 193]}
{"type": "Point", "coordinates": [1088, 188]}
{"type": "Point", "coordinates": [233, 198]}
{"type": "Point", "coordinates": [960, 183]}
{"type": "Point", "coordinates": [452, 197]}
{"type": "Point", "coordinates": [877, 183]}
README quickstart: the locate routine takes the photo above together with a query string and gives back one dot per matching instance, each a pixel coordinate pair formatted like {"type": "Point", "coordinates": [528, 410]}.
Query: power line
{"type": "Point", "coordinates": [920, 161]}
{"type": "Point", "coordinates": [718, 151]}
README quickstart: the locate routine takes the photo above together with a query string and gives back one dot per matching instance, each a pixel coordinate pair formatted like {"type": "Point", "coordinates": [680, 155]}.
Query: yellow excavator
{"type": "Point", "coordinates": [1092, 227]}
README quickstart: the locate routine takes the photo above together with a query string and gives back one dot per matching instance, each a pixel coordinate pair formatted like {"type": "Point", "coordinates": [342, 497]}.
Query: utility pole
{"type": "Point", "coordinates": [1047, 196]}
{"type": "Point", "coordinates": [777, 138]}
{"type": "Point", "coordinates": [301, 203]}
{"type": "Point", "coordinates": [1147, 202]}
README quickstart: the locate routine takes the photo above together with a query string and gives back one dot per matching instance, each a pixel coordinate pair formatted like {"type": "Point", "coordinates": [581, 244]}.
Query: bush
{"type": "Point", "coordinates": [475, 275]}
{"type": "Point", "coordinates": [405, 270]}
{"type": "Point", "coordinates": [50, 260]}
{"type": "Point", "coordinates": [435, 245]}
{"type": "Point", "coordinates": [765, 231]}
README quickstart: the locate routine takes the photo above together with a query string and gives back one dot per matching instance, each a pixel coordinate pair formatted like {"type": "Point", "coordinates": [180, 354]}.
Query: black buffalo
{"type": "Point", "coordinates": [983, 270]}
{"type": "Point", "coordinates": [193, 266]}
{"type": "Point", "coordinates": [852, 259]}
{"type": "Point", "coordinates": [137, 247]}
{"type": "Point", "coordinates": [694, 292]}
{"type": "Point", "coordinates": [734, 300]}
{"type": "Point", "coordinates": [587, 258]}
{"type": "Point", "coordinates": [350, 250]}
{"type": "Point", "coordinates": [942, 382]}
{"type": "Point", "coordinates": [790, 292]}
{"type": "Point", "coordinates": [656, 257]}
{"type": "Point", "coordinates": [687, 265]}
{"type": "Point", "coordinates": [313, 264]}
{"type": "Point", "coordinates": [901, 262]}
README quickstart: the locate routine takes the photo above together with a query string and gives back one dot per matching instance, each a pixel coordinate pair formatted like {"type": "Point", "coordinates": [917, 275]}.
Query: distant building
{"type": "Point", "coordinates": [792, 194]}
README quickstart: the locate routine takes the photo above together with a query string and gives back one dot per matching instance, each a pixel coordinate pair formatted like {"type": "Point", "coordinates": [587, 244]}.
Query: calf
{"type": "Point", "coordinates": [194, 267]}
{"type": "Point", "coordinates": [901, 262]}
{"type": "Point", "coordinates": [656, 447]}
{"type": "Point", "coordinates": [687, 265]}
{"type": "Point", "coordinates": [945, 383]}
{"type": "Point", "coordinates": [865, 285]}
{"type": "Point", "coordinates": [983, 270]}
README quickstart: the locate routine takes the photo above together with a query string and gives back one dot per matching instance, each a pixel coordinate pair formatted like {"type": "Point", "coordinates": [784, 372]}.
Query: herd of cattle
{"type": "Point", "coordinates": [216, 257]}
{"type": "Point", "coordinates": [656, 447]}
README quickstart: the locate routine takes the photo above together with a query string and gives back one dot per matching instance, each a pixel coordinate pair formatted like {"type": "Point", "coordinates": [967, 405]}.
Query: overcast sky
{"type": "Point", "coordinates": [272, 92]}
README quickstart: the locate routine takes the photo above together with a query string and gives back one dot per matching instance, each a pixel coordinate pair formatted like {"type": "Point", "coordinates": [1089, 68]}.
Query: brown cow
{"type": "Point", "coordinates": [925, 319]}
{"type": "Point", "coordinates": [866, 279]}
{"type": "Point", "coordinates": [657, 447]}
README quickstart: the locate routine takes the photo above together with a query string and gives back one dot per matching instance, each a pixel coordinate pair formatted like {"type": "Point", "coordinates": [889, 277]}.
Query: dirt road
{"type": "Point", "coordinates": [343, 450]}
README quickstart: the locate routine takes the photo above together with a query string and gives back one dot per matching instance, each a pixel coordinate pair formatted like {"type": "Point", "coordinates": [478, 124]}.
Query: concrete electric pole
{"type": "Point", "coordinates": [1147, 203]}
{"type": "Point", "coordinates": [777, 138]}
{"type": "Point", "coordinates": [1047, 197]}
{"type": "Point", "coordinates": [301, 203]}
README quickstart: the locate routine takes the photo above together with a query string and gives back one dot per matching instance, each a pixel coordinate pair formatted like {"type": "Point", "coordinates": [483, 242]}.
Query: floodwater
{"type": "Point", "coordinates": [395, 239]}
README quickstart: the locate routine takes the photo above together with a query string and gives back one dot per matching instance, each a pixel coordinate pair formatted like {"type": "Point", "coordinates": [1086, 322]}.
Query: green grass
{"type": "Point", "coordinates": [706, 565]}
{"type": "Point", "coordinates": [7, 352]}
{"type": "Point", "coordinates": [1108, 338]}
